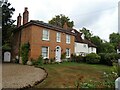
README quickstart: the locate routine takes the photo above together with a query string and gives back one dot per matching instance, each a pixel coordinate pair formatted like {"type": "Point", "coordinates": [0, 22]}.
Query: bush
{"type": "Point", "coordinates": [108, 58]}
{"type": "Point", "coordinates": [38, 62]}
{"type": "Point", "coordinates": [63, 55]}
{"type": "Point", "coordinates": [92, 58]}
{"type": "Point", "coordinates": [110, 77]}
{"type": "Point", "coordinates": [52, 60]}
{"type": "Point", "coordinates": [75, 58]}
{"type": "Point", "coordinates": [24, 52]}
{"type": "Point", "coordinates": [46, 61]}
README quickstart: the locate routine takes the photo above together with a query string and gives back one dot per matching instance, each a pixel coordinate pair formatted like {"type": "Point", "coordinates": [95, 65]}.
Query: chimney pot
{"type": "Point", "coordinates": [65, 26]}
{"type": "Point", "coordinates": [19, 20]}
{"type": "Point", "coordinates": [25, 16]}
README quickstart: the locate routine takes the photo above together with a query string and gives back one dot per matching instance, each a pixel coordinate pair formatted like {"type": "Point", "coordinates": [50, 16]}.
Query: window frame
{"type": "Point", "coordinates": [58, 37]}
{"type": "Point", "coordinates": [43, 37]}
{"type": "Point", "coordinates": [68, 56]}
{"type": "Point", "coordinates": [47, 52]}
{"type": "Point", "coordinates": [68, 39]}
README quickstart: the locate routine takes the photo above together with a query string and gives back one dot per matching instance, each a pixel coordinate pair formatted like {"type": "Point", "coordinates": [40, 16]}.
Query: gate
{"type": "Point", "coordinates": [7, 56]}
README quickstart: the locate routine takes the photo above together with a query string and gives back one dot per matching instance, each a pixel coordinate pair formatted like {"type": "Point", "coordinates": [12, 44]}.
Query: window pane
{"type": "Point", "coordinates": [45, 34]}
{"type": "Point", "coordinates": [58, 37]}
{"type": "Point", "coordinates": [67, 53]}
{"type": "Point", "coordinates": [67, 38]}
{"type": "Point", "coordinates": [45, 52]}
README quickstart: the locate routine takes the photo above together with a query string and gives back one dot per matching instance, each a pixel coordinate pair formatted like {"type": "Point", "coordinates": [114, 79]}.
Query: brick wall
{"type": "Point", "coordinates": [33, 35]}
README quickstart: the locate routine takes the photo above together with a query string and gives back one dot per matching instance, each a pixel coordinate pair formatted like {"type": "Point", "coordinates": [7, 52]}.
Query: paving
{"type": "Point", "coordinates": [20, 76]}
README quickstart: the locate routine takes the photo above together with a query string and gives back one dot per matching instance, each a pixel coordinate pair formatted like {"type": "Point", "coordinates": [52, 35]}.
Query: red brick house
{"type": "Point", "coordinates": [45, 39]}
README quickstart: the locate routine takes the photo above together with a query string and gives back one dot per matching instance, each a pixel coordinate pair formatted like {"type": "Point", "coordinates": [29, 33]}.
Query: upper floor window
{"type": "Point", "coordinates": [68, 39]}
{"type": "Point", "coordinates": [58, 37]}
{"type": "Point", "coordinates": [45, 35]}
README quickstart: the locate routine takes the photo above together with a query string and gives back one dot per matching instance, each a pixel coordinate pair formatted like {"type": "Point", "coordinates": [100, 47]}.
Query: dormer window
{"type": "Point", "coordinates": [73, 31]}
{"type": "Point", "coordinates": [83, 36]}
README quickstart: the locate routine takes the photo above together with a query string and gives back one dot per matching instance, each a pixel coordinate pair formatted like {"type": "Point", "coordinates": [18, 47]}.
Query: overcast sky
{"type": "Point", "coordinates": [99, 16]}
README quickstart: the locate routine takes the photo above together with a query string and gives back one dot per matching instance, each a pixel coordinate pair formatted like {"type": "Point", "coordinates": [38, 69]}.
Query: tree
{"type": "Point", "coordinates": [86, 32]}
{"type": "Point", "coordinates": [59, 20]}
{"type": "Point", "coordinates": [107, 48]}
{"type": "Point", "coordinates": [7, 24]}
{"type": "Point", "coordinates": [98, 42]}
{"type": "Point", "coordinates": [114, 39]}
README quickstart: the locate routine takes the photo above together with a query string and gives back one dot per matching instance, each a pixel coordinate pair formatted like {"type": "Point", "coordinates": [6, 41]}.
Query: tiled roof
{"type": "Point", "coordinates": [79, 39]}
{"type": "Point", "coordinates": [46, 25]}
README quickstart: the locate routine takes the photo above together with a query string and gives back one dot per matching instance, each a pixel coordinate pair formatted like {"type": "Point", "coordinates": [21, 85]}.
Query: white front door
{"type": "Point", "coordinates": [58, 54]}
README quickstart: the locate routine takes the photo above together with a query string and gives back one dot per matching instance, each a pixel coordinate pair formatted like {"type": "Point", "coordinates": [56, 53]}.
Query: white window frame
{"type": "Point", "coordinates": [91, 48]}
{"type": "Point", "coordinates": [44, 52]}
{"type": "Point", "coordinates": [58, 37]}
{"type": "Point", "coordinates": [68, 56]}
{"type": "Point", "coordinates": [43, 37]}
{"type": "Point", "coordinates": [68, 39]}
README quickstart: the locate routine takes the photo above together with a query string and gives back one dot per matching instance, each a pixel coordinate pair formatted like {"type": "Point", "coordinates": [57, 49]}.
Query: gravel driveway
{"type": "Point", "coordinates": [19, 76]}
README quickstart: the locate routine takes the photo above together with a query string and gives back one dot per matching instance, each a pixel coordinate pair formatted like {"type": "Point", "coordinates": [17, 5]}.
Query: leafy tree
{"type": "Point", "coordinates": [98, 42]}
{"type": "Point", "coordinates": [107, 48]}
{"type": "Point", "coordinates": [114, 39]}
{"type": "Point", "coordinates": [7, 24]}
{"type": "Point", "coordinates": [59, 20]}
{"type": "Point", "coordinates": [86, 32]}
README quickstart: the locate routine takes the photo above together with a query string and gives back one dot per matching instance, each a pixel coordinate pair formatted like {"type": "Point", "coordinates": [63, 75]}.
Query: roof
{"type": "Point", "coordinates": [45, 25]}
{"type": "Point", "coordinates": [79, 39]}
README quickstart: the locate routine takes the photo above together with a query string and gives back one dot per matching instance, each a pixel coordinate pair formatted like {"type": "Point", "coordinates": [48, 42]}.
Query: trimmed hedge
{"type": "Point", "coordinates": [92, 58]}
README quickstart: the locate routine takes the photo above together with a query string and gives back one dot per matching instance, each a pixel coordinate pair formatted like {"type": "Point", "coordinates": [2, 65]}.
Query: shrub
{"type": "Point", "coordinates": [46, 61]}
{"type": "Point", "coordinates": [92, 58]}
{"type": "Point", "coordinates": [63, 55]}
{"type": "Point", "coordinates": [76, 58]}
{"type": "Point", "coordinates": [73, 57]}
{"type": "Point", "coordinates": [52, 60]}
{"type": "Point", "coordinates": [38, 62]}
{"type": "Point", "coordinates": [24, 52]}
{"type": "Point", "coordinates": [108, 58]}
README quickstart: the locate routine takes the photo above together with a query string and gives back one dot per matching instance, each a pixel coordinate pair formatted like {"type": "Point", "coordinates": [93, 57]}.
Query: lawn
{"type": "Point", "coordinates": [69, 74]}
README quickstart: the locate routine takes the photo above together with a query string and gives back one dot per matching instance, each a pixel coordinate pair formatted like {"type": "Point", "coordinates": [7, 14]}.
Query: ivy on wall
{"type": "Point", "coordinates": [24, 52]}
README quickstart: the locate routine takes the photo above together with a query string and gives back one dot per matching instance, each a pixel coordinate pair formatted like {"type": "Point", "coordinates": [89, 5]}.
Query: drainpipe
{"type": "Point", "coordinates": [20, 43]}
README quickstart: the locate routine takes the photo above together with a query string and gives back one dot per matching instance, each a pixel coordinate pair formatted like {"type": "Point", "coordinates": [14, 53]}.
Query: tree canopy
{"type": "Point", "coordinates": [7, 23]}
{"type": "Point", "coordinates": [86, 32]}
{"type": "Point", "coordinates": [114, 39]}
{"type": "Point", "coordinates": [59, 20]}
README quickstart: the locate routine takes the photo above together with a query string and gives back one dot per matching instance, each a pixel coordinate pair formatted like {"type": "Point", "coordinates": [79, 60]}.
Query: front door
{"type": "Point", "coordinates": [58, 54]}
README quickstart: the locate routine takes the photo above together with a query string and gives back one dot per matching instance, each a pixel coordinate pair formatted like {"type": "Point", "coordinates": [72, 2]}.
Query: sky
{"type": "Point", "coordinates": [98, 16]}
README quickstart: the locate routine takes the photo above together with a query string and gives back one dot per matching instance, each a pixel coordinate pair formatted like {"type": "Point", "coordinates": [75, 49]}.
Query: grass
{"type": "Point", "coordinates": [66, 74]}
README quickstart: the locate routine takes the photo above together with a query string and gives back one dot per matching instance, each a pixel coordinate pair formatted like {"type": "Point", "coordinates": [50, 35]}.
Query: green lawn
{"type": "Point", "coordinates": [65, 75]}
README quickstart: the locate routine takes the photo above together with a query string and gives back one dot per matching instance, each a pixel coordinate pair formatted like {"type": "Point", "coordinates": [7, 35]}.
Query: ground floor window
{"type": "Point", "coordinates": [45, 52]}
{"type": "Point", "coordinates": [67, 53]}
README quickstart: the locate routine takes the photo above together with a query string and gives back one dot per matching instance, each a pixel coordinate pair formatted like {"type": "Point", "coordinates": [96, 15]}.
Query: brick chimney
{"type": "Point", "coordinates": [19, 20]}
{"type": "Point", "coordinates": [25, 16]}
{"type": "Point", "coordinates": [65, 26]}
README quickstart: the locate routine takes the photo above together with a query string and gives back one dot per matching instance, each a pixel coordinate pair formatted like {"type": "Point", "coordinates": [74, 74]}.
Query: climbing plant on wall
{"type": "Point", "coordinates": [24, 52]}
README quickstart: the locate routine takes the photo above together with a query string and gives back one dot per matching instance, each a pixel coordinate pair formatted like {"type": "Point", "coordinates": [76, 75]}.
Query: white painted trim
{"type": "Point", "coordinates": [48, 35]}
{"type": "Point", "coordinates": [57, 36]}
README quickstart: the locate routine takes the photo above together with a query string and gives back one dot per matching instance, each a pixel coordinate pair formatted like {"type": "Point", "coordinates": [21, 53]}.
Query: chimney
{"type": "Point", "coordinates": [19, 20]}
{"type": "Point", "coordinates": [65, 26]}
{"type": "Point", "coordinates": [25, 16]}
